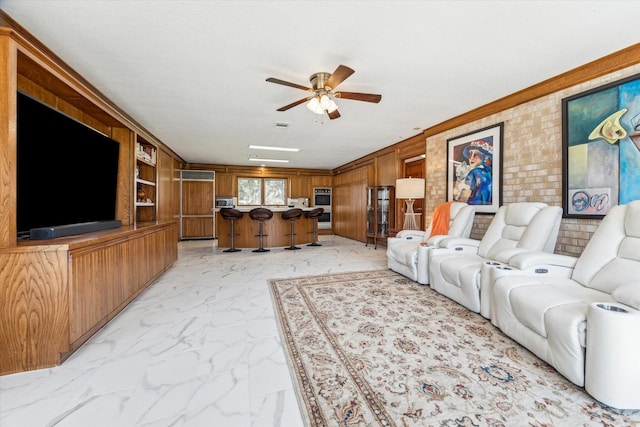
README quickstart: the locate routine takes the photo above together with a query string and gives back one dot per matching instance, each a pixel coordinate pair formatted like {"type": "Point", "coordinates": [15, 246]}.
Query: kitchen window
{"type": "Point", "coordinates": [262, 191]}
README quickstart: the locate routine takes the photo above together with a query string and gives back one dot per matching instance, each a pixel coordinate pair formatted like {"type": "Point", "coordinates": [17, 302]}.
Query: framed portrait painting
{"type": "Point", "coordinates": [474, 163]}
{"type": "Point", "coordinates": [601, 148]}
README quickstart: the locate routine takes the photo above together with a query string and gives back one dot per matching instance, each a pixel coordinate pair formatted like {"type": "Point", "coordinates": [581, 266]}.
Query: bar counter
{"type": "Point", "coordinates": [276, 230]}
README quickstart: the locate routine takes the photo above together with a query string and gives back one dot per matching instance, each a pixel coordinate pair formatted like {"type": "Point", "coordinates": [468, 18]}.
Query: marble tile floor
{"type": "Point", "coordinates": [200, 347]}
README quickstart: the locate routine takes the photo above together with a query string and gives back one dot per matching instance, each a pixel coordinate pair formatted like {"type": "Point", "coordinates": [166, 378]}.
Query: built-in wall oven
{"type": "Point", "coordinates": [322, 199]}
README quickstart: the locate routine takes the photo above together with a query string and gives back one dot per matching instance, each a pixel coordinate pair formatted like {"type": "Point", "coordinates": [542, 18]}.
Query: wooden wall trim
{"type": "Point", "coordinates": [410, 147]}
{"type": "Point", "coordinates": [8, 150]}
{"type": "Point", "coordinates": [608, 64]}
{"type": "Point", "coordinates": [257, 170]}
{"type": "Point", "coordinates": [600, 67]}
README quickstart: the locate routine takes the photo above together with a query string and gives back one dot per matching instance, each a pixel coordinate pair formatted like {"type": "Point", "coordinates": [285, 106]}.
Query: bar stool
{"type": "Point", "coordinates": [260, 215]}
{"type": "Point", "coordinates": [232, 215]}
{"type": "Point", "coordinates": [292, 215]}
{"type": "Point", "coordinates": [313, 214]}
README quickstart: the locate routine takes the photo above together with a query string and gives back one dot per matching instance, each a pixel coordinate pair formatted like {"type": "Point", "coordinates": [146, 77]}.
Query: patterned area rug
{"type": "Point", "coordinates": [376, 349]}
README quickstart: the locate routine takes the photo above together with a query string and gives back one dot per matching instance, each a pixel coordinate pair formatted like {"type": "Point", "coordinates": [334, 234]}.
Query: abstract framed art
{"type": "Point", "coordinates": [601, 148]}
{"type": "Point", "coordinates": [474, 168]}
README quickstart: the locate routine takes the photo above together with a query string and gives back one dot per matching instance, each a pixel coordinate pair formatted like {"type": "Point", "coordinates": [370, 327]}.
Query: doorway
{"type": "Point", "coordinates": [414, 168]}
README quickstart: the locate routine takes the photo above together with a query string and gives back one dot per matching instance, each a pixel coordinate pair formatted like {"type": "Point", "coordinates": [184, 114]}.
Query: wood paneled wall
{"type": "Point", "coordinates": [382, 167]}
{"type": "Point", "coordinates": [168, 187]}
{"type": "Point", "coordinates": [349, 200]}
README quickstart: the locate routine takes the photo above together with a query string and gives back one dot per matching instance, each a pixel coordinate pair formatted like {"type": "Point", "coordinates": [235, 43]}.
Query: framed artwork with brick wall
{"type": "Point", "coordinates": [601, 148]}
{"type": "Point", "coordinates": [474, 168]}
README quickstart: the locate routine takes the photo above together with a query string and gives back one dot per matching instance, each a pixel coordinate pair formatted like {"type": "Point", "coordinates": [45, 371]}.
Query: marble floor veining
{"type": "Point", "coordinates": [200, 347]}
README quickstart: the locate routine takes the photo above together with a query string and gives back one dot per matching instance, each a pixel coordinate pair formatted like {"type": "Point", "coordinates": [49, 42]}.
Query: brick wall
{"type": "Point", "coordinates": [532, 160]}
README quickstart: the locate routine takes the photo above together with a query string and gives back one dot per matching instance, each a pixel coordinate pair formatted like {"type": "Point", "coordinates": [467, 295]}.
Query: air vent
{"type": "Point", "coordinates": [282, 125]}
{"type": "Point", "coordinates": [197, 175]}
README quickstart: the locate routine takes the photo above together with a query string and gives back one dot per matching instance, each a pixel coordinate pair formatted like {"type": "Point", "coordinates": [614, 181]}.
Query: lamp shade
{"type": "Point", "coordinates": [410, 188]}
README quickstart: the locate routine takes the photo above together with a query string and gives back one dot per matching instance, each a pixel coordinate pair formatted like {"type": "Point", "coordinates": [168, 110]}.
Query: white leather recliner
{"type": "Point", "coordinates": [407, 253]}
{"type": "Point", "coordinates": [586, 324]}
{"type": "Point", "coordinates": [455, 267]}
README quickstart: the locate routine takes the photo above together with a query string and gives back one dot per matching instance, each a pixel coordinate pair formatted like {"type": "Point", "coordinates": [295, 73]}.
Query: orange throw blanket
{"type": "Point", "coordinates": [441, 219]}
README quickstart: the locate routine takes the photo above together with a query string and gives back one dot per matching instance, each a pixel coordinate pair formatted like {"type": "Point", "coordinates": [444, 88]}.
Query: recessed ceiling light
{"type": "Point", "coordinates": [267, 147]}
{"type": "Point", "coordinates": [255, 159]}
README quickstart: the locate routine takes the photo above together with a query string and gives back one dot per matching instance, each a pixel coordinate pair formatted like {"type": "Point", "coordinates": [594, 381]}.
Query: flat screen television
{"type": "Point", "coordinates": [67, 173]}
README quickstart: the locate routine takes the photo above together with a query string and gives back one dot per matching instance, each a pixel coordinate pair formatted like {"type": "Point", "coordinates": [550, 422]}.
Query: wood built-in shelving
{"type": "Point", "coordinates": [145, 181]}
{"type": "Point", "coordinates": [57, 293]}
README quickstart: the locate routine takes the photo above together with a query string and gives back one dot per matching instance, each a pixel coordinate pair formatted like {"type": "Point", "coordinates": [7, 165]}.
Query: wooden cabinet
{"type": "Point", "coordinates": [300, 186]}
{"type": "Point", "coordinates": [145, 180]}
{"type": "Point", "coordinates": [225, 184]}
{"type": "Point", "coordinates": [380, 211]}
{"type": "Point", "coordinates": [58, 295]}
{"type": "Point", "coordinates": [197, 203]}
{"type": "Point", "coordinates": [321, 181]}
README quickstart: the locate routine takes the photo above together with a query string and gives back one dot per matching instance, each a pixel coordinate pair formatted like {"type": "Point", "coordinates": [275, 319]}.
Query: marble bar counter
{"type": "Point", "coordinates": [276, 229]}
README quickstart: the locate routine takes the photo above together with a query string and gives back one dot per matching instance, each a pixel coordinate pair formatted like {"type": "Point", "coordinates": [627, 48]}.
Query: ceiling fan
{"type": "Point", "coordinates": [323, 91]}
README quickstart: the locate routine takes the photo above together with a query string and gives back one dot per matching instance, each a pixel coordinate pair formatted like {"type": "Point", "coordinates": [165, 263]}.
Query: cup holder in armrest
{"type": "Point", "coordinates": [612, 308]}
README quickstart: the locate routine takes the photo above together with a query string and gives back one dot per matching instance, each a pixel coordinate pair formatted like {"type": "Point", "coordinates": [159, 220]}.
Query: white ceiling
{"type": "Point", "coordinates": [193, 72]}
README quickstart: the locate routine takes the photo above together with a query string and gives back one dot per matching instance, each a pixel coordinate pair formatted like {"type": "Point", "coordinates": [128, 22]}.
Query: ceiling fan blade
{"type": "Point", "coordinates": [293, 104]}
{"type": "Point", "coordinates": [367, 97]}
{"type": "Point", "coordinates": [334, 114]}
{"type": "Point", "coordinates": [339, 75]}
{"type": "Point", "coordinates": [282, 82]}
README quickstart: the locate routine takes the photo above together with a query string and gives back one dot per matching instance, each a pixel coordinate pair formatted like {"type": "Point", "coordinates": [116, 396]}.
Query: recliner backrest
{"type": "Point", "coordinates": [460, 221]}
{"type": "Point", "coordinates": [527, 225]}
{"type": "Point", "coordinates": [612, 256]}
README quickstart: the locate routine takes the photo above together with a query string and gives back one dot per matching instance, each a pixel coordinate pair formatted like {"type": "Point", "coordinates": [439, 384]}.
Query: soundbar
{"type": "Point", "coordinates": [71, 229]}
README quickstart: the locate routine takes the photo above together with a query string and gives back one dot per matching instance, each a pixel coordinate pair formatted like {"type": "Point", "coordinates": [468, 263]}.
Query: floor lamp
{"type": "Point", "coordinates": [410, 189]}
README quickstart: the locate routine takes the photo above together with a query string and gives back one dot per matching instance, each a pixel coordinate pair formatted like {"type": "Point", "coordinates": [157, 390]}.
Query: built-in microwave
{"type": "Point", "coordinates": [224, 202]}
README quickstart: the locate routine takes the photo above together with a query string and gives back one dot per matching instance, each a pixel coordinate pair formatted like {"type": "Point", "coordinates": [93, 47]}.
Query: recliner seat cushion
{"type": "Point", "coordinates": [405, 252]}
{"type": "Point", "coordinates": [532, 303]}
{"type": "Point", "coordinates": [453, 268]}
{"type": "Point", "coordinates": [548, 316]}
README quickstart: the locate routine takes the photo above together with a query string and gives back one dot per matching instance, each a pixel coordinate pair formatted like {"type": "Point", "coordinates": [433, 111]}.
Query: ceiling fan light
{"type": "Point", "coordinates": [332, 106]}
{"type": "Point", "coordinates": [314, 105]}
{"type": "Point", "coordinates": [325, 102]}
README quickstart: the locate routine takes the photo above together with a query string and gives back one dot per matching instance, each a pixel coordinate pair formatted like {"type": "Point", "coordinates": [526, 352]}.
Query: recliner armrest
{"type": "Point", "coordinates": [435, 240]}
{"type": "Point", "coordinates": [460, 244]}
{"type": "Point", "coordinates": [416, 235]}
{"type": "Point", "coordinates": [529, 259]}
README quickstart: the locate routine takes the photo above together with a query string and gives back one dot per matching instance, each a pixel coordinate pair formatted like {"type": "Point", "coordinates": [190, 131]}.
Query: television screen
{"type": "Point", "coordinates": [67, 173]}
